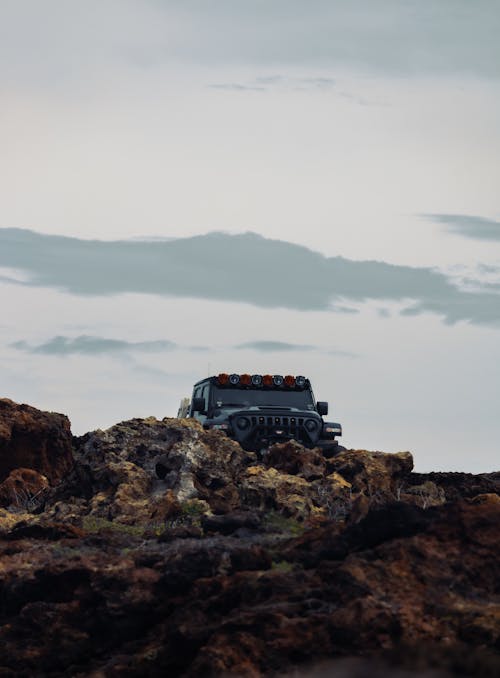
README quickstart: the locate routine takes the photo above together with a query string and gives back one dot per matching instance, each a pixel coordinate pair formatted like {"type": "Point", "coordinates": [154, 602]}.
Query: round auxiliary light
{"type": "Point", "coordinates": [245, 379]}
{"type": "Point", "coordinates": [278, 380]}
{"type": "Point", "coordinates": [300, 381]}
{"type": "Point", "coordinates": [311, 425]}
{"type": "Point", "coordinates": [234, 379]}
{"type": "Point", "coordinates": [289, 381]}
{"type": "Point", "coordinates": [223, 378]}
{"type": "Point", "coordinates": [242, 423]}
{"type": "Point", "coordinates": [256, 380]}
{"type": "Point", "coordinates": [267, 380]}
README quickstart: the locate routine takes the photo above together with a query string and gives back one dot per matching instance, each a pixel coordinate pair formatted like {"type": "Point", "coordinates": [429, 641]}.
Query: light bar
{"type": "Point", "coordinates": [258, 380]}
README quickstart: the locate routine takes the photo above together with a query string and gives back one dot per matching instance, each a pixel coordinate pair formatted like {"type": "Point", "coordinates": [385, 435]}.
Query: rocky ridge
{"type": "Point", "coordinates": [157, 548]}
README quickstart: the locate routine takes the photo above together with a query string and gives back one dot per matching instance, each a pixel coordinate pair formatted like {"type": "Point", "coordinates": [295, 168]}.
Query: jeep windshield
{"type": "Point", "coordinates": [249, 397]}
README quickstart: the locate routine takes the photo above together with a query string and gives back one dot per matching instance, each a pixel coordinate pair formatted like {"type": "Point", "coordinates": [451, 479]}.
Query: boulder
{"type": "Point", "coordinates": [267, 489]}
{"type": "Point", "coordinates": [147, 468]}
{"type": "Point", "coordinates": [35, 440]}
{"type": "Point", "coordinates": [377, 475]}
{"type": "Point", "coordinates": [294, 459]}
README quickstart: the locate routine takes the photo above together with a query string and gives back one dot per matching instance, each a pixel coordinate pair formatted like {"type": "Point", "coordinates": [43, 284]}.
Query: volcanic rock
{"type": "Point", "coordinates": [292, 458]}
{"type": "Point", "coordinates": [377, 474]}
{"type": "Point", "coordinates": [33, 439]}
{"type": "Point", "coordinates": [128, 469]}
{"type": "Point", "coordinates": [169, 550]}
{"type": "Point", "coordinates": [459, 485]}
{"type": "Point", "coordinates": [23, 488]}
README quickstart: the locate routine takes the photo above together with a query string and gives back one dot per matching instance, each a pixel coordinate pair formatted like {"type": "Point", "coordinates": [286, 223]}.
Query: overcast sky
{"type": "Point", "coordinates": [264, 186]}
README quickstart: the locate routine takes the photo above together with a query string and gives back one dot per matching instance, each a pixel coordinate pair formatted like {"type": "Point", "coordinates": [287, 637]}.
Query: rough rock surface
{"type": "Point", "coordinates": [23, 487]}
{"type": "Point", "coordinates": [33, 439]}
{"type": "Point", "coordinates": [168, 550]}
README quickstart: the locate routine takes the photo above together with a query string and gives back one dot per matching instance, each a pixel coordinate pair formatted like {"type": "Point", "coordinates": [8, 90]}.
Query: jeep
{"type": "Point", "coordinates": [259, 410]}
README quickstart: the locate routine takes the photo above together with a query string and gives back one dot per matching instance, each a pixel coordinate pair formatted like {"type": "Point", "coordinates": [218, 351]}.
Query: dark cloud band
{"type": "Point", "coordinates": [469, 226]}
{"type": "Point", "coordinates": [238, 268]}
{"type": "Point", "coordinates": [271, 346]}
{"type": "Point", "coordinates": [91, 345]}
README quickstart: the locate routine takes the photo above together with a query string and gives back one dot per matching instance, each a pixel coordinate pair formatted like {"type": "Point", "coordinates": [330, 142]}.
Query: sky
{"type": "Point", "coordinates": [256, 186]}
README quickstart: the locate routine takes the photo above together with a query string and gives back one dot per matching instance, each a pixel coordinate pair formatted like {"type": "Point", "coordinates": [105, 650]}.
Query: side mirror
{"type": "Point", "coordinates": [322, 408]}
{"type": "Point", "coordinates": [198, 405]}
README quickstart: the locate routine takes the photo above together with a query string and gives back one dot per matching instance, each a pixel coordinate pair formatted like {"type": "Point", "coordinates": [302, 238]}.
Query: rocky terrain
{"type": "Point", "coordinates": [156, 548]}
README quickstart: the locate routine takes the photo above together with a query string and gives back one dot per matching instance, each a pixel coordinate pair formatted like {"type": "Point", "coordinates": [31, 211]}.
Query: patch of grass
{"type": "Point", "coordinates": [276, 522]}
{"type": "Point", "coordinates": [93, 525]}
{"type": "Point", "coordinates": [192, 508]}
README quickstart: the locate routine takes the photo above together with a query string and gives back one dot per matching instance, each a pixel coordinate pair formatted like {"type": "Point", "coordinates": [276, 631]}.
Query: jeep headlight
{"type": "Point", "coordinates": [242, 423]}
{"type": "Point", "coordinates": [311, 425]}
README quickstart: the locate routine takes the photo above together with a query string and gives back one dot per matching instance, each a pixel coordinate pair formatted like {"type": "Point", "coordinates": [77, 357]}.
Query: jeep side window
{"type": "Point", "coordinates": [196, 394]}
{"type": "Point", "coordinates": [201, 392]}
{"type": "Point", "coordinates": [204, 395]}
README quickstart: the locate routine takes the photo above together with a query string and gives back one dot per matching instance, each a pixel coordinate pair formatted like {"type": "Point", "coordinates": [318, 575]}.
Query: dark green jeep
{"type": "Point", "coordinates": [258, 410]}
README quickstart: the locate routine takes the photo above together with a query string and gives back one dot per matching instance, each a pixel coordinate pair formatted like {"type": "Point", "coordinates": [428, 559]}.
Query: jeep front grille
{"type": "Point", "coordinates": [260, 430]}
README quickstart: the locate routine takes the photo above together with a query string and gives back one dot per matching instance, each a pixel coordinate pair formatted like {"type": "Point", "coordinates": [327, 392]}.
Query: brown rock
{"type": "Point", "coordinates": [172, 454]}
{"type": "Point", "coordinates": [359, 509]}
{"type": "Point", "coordinates": [294, 459]}
{"type": "Point", "coordinates": [45, 530]}
{"type": "Point", "coordinates": [224, 566]}
{"type": "Point", "coordinates": [166, 507]}
{"type": "Point", "coordinates": [378, 475]}
{"type": "Point", "coordinates": [488, 498]}
{"type": "Point", "coordinates": [9, 520]}
{"type": "Point", "coordinates": [425, 495]}
{"type": "Point", "coordinates": [33, 439]}
{"type": "Point", "coordinates": [418, 586]}
{"type": "Point", "coordinates": [459, 485]}
{"type": "Point", "coordinates": [268, 489]}
{"type": "Point", "coordinates": [23, 488]}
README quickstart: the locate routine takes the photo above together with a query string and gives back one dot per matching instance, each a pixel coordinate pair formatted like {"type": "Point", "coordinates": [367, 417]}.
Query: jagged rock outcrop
{"type": "Point", "coordinates": [169, 550]}
{"type": "Point", "coordinates": [33, 439]}
{"type": "Point", "coordinates": [140, 469]}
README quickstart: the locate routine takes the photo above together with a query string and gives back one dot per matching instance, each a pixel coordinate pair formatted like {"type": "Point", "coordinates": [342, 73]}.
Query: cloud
{"type": "Point", "coordinates": [84, 41]}
{"type": "Point", "coordinates": [244, 268]}
{"type": "Point", "coordinates": [469, 226]}
{"type": "Point", "coordinates": [318, 82]}
{"type": "Point", "coordinates": [267, 346]}
{"type": "Point", "coordinates": [280, 83]}
{"type": "Point", "coordinates": [92, 345]}
{"type": "Point", "coordinates": [271, 82]}
{"type": "Point", "coordinates": [238, 87]}
{"type": "Point", "coordinates": [89, 345]}
{"type": "Point", "coordinates": [269, 79]}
